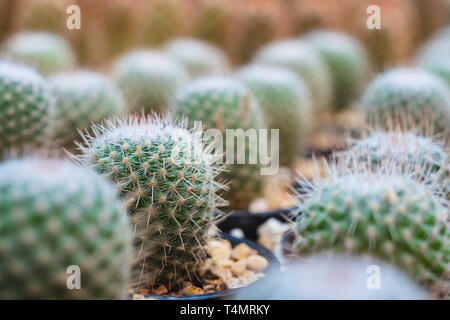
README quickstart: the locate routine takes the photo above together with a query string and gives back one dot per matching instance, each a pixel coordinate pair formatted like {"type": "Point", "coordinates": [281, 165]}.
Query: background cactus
{"type": "Point", "coordinates": [211, 23]}
{"type": "Point", "coordinates": [411, 93]}
{"type": "Point", "coordinates": [285, 100]}
{"type": "Point", "coordinates": [346, 60]}
{"type": "Point", "coordinates": [198, 57]}
{"type": "Point", "coordinates": [384, 213]}
{"type": "Point", "coordinates": [55, 214]}
{"type": "Point", "coordinates": [47, 52]}
{"type": "Point", "coordinates": [82, 97]}
{"type": "Point", "coordinates": [303, 59]}
{"type": "Point", "coordinates": [224, 103]}
{"type": "Point", "coordinates": [161, 22]}
{"type": "Point", "coordinates": [168, 181]}
{"type": "Point", "coordinates": [25, 105]}
{"type": "Point", "coordinates": [148, 79]}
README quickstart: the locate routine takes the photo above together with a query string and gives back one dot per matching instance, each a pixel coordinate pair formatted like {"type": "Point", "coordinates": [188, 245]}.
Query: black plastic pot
{"type": "Point", "coordinates": [274, 264]}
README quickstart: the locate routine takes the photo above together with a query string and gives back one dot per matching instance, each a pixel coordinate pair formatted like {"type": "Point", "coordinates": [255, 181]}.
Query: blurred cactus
{"type": "Point", "coordinates": [160, 22]}
{"type": "Point", "coordinates": [55, 214]}
{"type": "Point", "coordinates": [211, 24]}
{"type": "Point", "coordinates": [45, 15]}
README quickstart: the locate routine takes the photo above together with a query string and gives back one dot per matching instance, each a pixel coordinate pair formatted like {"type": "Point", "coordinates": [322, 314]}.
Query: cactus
{"type": "Point", "coordinates": [211, 24]}
{"type": "Point", "coordinates": [25, 105]}
{"type": "Point", "coordinates": [47, 52]}
{"type": "Point", "coordinates": [198, 57]}
{"type": "Point", "coordinates": [303, 59]}
{"type": "Point", "coordinates": [285, 100]}
{"type": "Point", "coordinates": [327, 277]}
{"type": "Point", "coordinates": [45, 15]}
{"type": "Point", "coordinates": [347, 62]}
{"type": "Point", "coordinates": [224, 103]}
{"type": "Point", "coordinates": [148, 79]}
{"type": "Point", "coordinates": [411, 93]}
{"type": "Point", "coordinates": [168, 181]}
{"type": "Point", "coordinates": [383, 212]}
{"type": "Point", "coordinates": [82, 97]}
{"type": "Point", "coordinates": [56, 215]}
{"type": "Point", "coordinates": [161, 22]}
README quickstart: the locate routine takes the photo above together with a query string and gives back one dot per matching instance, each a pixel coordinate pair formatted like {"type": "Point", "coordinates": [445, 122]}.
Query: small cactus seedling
{"type": "Point", "coordinates": [335, 276]}
{"type": "Point", "coordinates": [198, 57]}
{"type": "Point", "coordinates": [47, 52]}
{"type": "Point", "coordinates": [347, 62]}
{"type": "Point", "coordinates": [168, 181]}
{"type": "Point", "coordinates": [57, 218]}
{"type": "Point", "coordinates": [285, 100]}
{"type": "Point", "coordinates": [224, 103]}
{"type": "Point", "coordinates": [303, 59]}
{"type": "Point", "coordinates": [25, 105]}
{"type": "Point", "coordinates": [383, 212]}
{"type": "Point", "coordinates": [411, 93]}
{"type": "Point", "coordinates": [82, 97]}
{"type": "Point", "coordinates": [148, 79]}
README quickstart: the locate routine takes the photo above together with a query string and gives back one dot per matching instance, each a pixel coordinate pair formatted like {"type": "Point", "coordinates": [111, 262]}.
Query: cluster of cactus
{"type": "Point", "coordinates": [411, 93]}
{"type": "Point", "coordinates": [57, 217]}
{"type": "Point", "coordinates": [347, 63]}
{"type": "Point", "coordinates": [46, 52]}
{"type": "Point", "coordinates": [303, 59]}
{"type": "Point", "coordinates": [149, 79]}
{"type": "Point", "coordinates": [198, 57]}
{"type": "Point", "coordinates": [284, 99]}
{"type": "Point", "coordinates": [323, 276]}
{"type": "Point", "coordinates": [168, 180]}
{"type": "Point", "coordinates": [25, 106]}
{"type": "Point", "coordinates": [383, 212]}
{"type": "Point", "coordinates": [82, 97]}
{"type": "Point", "coordinates": [224, 103]}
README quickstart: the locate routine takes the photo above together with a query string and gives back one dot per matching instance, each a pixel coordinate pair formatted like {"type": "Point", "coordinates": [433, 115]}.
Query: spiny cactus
{"type": "Point", "coordinates": [25, 105]}
{"type": "Point", "coordinates": [55, 214]}
{"type": "Point", "coordinates": [346, 60]}
{"type": "Point", "coordinates": [411, 93]}
{"type": "Point", "coordinates": [47, 52]}
{"type": "Point", "coordinates": [160, 22]}
{"type": "Point", "coordinates": [198, 57]}
{"type": "Point", "coordinates": [383, 212]}
{"type": "Point", "coordinates": [148, 79]}
{"type": "Point", "coordinates": [224, 103]}
{"type": "Point", "coordinates": [303, 59]}
{"type": "Point", "coordinates": [336, 276]}
{"type": "Point", "coordinates": [285, 100]}
{"type": "Point", "coordinates": [169, 182]}
{"type": "Point", "coordinates": [82, 97]}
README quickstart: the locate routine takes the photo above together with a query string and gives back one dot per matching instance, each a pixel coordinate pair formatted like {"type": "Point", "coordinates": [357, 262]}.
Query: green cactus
{"type": "Point", "coordinates": [148, 79]}
{"type": "Point", "coordinates": [55, 214]}
{"type": "Point", "coordinates": [385, 213]}
{"type": "Point", "coordinates": [302, 58]}
{"type": "Point", "coordinates": [82, 97]}
{"type": "Point", "coordinates": [347, 62]}
{"type": "Point", "coordinates": [161, 22]}
{"type": "Point", "coordinates": [285, 100]}
{"type": "Point", "coordinates": [25, 106]}
{"type": "Point", "coordinates": [47, 52]}
{"type": "Point", "coordinates": [211, 24]}
{"type": "Point", "coordinates": [169, 183]}
{"type": "Point", "coordinates": [45, 15]}
{"type": "Point", "coordinates": [224, 103]}
{"type": "Point", "coordinates": [411, 93]}
{"type": "Point", "coordinates": [198, 57]}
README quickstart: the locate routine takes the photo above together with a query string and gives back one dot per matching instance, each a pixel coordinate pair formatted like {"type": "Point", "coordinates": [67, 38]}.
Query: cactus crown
{"type": "Point", "coordinates": [168, 179]}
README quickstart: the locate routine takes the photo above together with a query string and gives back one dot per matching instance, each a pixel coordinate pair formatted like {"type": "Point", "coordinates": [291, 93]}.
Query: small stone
{"type": "Point", "coordinates": [219, 250]}
{"type": "Point", "coordinates": [239, 267]}
{"type": "Point", "coordinates": [143, 291]}
{"type": "Point", "coordinates": [257, 263]}
{"type": "Point", "coordinates": [208, 287]}
{"type": "Point", "coordinates": [241, 251]}
{"type": "Point", "coordinates": [221, 272]}
{"type": "Point", "coordinates": [161, 290]}
{"type": "Point", "coordinates": [138, 297]}
{"type": "Point", "coordinates": [225, 263]}
{"type": "Point", "coordinates": [193, 291]}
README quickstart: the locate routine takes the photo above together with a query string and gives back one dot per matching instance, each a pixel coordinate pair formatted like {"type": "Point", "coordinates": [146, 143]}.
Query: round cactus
{"type": "Point", "coordinates": [223, 103]}
{"type": "Point", "coordinates": [56, 216]}
{"type": "Point", "coordinates": [384, 213]}
{"type": "Point", "coordinates": [411, 93]}
{"type": "Point", "coordinates": [338, 277]}
{"type": "Point", "coordinates": [149, 79]}
{"type": "Point", "coordinates": [25, 104]}
{"type": "Point", "coordinates": [285, 100]}
{"type": "Point", "coordinates": [198, 57]}
{"type": "Point", "coordinates": [303, 59]}
{"type": "Point", "coordinates": [211, 23]}
{"type": "Point", "coordinates": [47, 52]}
{"type": "Point", "coordinates": [160, 22]}
{"type": "Point", "coordinates": [82, 97]}
{"type": "Point", "coordinates": [168, 181]}
{"type": "Point", "coordinates": [347, 62]}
